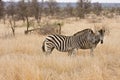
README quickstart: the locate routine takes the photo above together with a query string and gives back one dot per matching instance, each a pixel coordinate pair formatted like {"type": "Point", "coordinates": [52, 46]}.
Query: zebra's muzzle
{"type": "Point", "coordinates": [101, 41]}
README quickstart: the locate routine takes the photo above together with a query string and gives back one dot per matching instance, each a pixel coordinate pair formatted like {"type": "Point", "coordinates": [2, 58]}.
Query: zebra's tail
{"type": "Point", "coordinates": [43, 47]}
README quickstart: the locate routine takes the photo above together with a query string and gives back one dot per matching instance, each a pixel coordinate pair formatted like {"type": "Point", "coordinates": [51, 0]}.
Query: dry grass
{"type": "Point", "coordinates": [21, 58]}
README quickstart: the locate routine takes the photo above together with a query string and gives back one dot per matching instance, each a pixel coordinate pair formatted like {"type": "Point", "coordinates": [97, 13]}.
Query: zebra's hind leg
{"type": "Point", "coordinates": [72, 52]}
{"type": "Point", "coordinates": [49, 51]}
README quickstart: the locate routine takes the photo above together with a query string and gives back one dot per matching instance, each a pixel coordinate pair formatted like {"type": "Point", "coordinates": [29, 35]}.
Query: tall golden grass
{"type": "Point", "coordinates": [21, 57]}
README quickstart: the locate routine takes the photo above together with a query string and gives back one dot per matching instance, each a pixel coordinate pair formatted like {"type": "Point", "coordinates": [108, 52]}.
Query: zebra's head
{"type": "Point", "coordinates": [101, 33]}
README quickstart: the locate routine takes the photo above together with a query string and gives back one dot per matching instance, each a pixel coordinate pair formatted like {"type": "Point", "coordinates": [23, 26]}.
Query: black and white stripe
{"type": "Point", "coordinates": [85, 39]}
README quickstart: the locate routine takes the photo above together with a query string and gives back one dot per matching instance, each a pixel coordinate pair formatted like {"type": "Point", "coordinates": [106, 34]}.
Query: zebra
{"type": "Point", "coordinates": [85, 39]}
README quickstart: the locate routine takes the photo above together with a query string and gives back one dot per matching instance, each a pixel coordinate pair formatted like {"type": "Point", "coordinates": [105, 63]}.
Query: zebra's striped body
{"type": "Point", "coordinates": [85, 39]}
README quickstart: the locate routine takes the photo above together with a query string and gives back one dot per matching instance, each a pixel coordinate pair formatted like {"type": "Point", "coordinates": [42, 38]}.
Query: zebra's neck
{"type": "Point", "coordinates": [97, 38]}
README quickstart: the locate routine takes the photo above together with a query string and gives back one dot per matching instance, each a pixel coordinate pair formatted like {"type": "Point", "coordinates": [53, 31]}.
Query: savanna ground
{"type": "Point", "coordinates": [21, 57]}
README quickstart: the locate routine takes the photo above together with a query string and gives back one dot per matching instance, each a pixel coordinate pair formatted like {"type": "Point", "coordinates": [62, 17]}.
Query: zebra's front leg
{"type": "Point", "coordinates": [49, 51]}
{"type": "Point", "coordinates": [69, 52]}
{"type": "Point", "coordinates": [91, 52]}
{"type": "Point", "coordinates": [74, 52]}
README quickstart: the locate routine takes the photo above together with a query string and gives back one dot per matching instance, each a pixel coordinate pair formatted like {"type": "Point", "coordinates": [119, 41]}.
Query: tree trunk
{"type": "Point", "coordinates": [23, 19]}
{"type": "Point", "coordinates": [40, 13]}
{"type": "Point", "coordinates": [12, 26]}
{"type": "Point", "coordinates": [4, 20]}
{"type": "Point", "coordinates": [59, 30]}
{"type": "Point", "coordinates": [28, 25]}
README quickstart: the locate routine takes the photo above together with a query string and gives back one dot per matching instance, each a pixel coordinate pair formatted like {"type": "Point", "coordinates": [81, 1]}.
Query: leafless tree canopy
{"type": "Point", "coordinates": [36, 9]}
{"type": "Point", "coordinates": [83, 8]}
{"type": "Point", "coordinates": [23, 10]}
{"type": "Point", "coordinates": [97, 8]}
{"type": "Point", "coordinates": [2, 10]}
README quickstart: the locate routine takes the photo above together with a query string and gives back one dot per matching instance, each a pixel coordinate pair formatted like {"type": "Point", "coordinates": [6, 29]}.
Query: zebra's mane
{"type": "Point", "coordinates": [84, 32]}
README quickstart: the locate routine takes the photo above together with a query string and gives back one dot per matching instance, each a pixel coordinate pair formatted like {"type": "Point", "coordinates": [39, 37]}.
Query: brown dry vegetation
{"type": "Point", "coordinates": [21, 57]}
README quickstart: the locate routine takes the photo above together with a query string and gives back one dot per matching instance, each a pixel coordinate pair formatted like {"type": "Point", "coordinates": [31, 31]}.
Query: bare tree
{"type": "Point", "coordinates": [35, 9]}
{"type": "Point", "coordinates": [69, 10]}
{"type": "Point", "coordinates": [97, 8]}
{"type": "Point", "coordinates": [11, 12]}
{"type": "Point", "coordinates": [12, 25]}
{"type": "Point", "coordinates": [21, 10]}
{"type": "Point", "coordinates": [11, 9]}
{"type": "Point", "coordinates": [52, 6]}
{"type": "Point", "coordinates": [24, 12]}
{"type": "Point", "coordinates": [2, 10]}
{"type": "Point", "coordinates": [118, 10]}
{"type": "Point", "coordinates": [27, 14]}
{"type": "Point", "coordinates": [83, 8]}
{"type": "Point", "coordinates": [41, 10]}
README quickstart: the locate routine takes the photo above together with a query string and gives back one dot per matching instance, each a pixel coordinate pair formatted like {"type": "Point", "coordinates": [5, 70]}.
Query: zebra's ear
{"type": "Point", "coordinates": [106, 29]}
{"type": "Point", "coordinates": [103, 28]}
{"type": "Point", "coordinates": [96, 28]}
